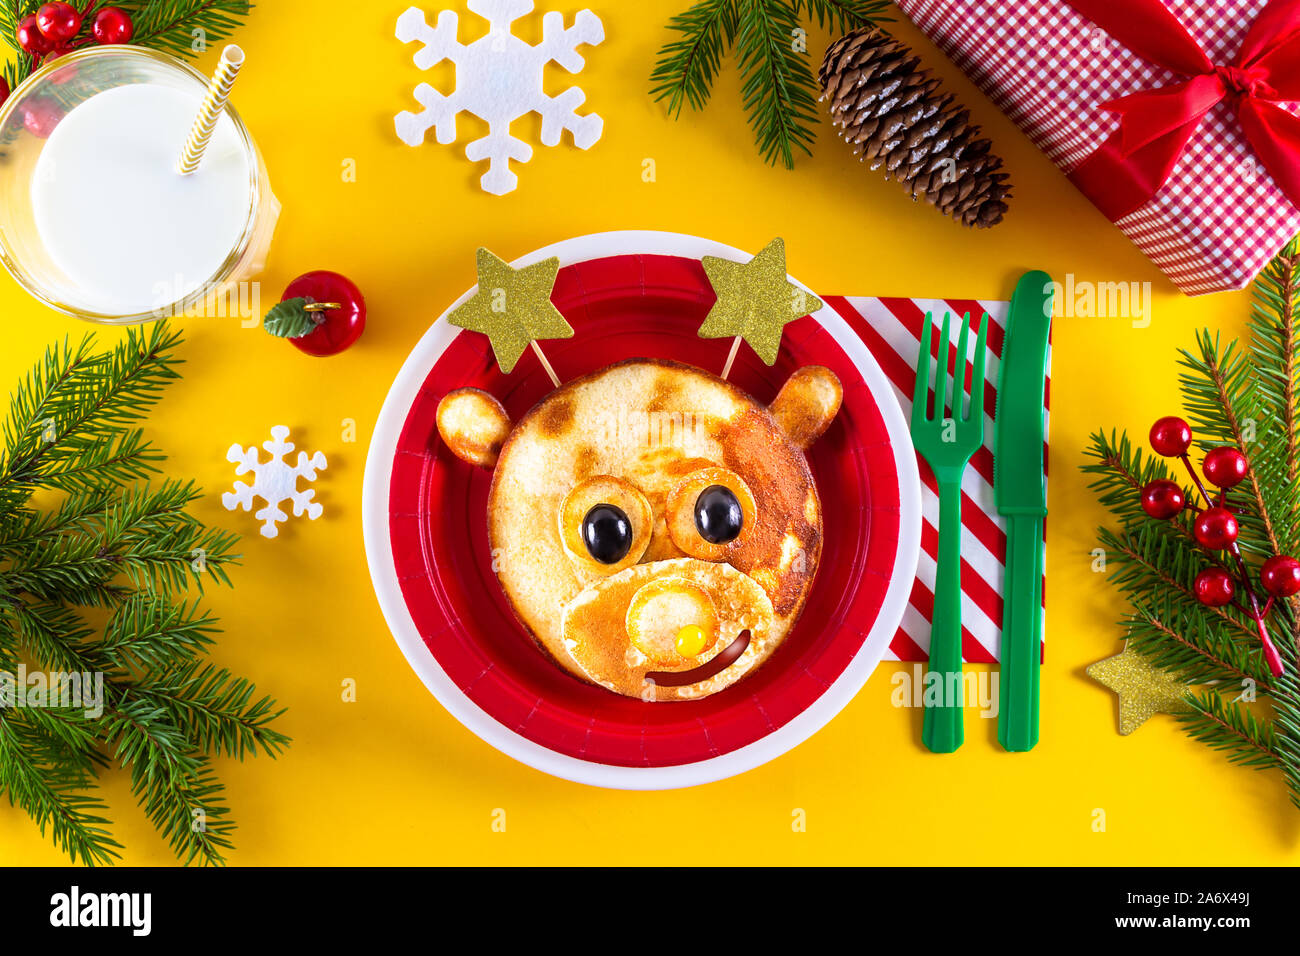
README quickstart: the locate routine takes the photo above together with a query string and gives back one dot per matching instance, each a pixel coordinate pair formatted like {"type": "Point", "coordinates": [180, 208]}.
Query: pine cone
{"type": "Point", "coordinates": [892, 112]}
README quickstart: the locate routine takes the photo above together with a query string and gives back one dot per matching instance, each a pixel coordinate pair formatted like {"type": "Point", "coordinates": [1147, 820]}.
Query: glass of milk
{"type": "Point", "coordinates": [95, 219]}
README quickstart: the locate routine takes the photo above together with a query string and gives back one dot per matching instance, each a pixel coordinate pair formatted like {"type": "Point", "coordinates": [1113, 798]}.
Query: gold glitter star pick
{"type": "Point", "coordinates": [755, 301]}
{"type": "Point", "coordinates": [512, 307]}
{"type": "Point", "coordinates": [1143, 688]}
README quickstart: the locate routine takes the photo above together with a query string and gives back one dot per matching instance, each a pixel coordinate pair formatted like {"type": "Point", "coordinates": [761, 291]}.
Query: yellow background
{"type": "Point", "coordinates": [392, 778]}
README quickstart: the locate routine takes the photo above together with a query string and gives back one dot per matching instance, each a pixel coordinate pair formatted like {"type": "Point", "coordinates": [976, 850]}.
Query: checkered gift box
{"type": "Point", "coordinates": [1220, 215]}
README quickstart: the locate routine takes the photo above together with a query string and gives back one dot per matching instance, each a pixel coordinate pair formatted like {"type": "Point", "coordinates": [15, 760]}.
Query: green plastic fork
{"type": "Point", "coordinates": [947, 442]}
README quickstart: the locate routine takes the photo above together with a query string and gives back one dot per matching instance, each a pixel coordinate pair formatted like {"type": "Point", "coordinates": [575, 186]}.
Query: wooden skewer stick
{"type": "Point", "coordinates": [731, 356]}
{"type": "Point", "coordinates": [541, 357]}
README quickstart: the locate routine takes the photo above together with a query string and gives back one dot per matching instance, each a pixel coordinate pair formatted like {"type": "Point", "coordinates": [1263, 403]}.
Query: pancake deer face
{"type": "Point", "coordinates": [653, 527]}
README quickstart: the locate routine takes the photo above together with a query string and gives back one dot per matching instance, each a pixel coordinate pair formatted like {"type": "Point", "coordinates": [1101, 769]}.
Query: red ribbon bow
{"type": "Point", "coordinates": [1155, 125]}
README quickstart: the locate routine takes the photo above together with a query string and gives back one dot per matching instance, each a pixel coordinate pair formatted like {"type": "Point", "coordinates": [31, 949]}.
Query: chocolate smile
{"type": "Point", "coordinates": [716, 665]}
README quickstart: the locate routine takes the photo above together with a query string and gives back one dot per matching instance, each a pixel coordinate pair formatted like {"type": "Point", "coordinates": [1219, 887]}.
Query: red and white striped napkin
{"type": "Point", "coordinates": [891, 329]}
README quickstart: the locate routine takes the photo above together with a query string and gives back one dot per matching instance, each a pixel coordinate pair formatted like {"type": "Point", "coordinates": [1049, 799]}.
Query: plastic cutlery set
{"type": "Point", "coordinates": [946, 433]}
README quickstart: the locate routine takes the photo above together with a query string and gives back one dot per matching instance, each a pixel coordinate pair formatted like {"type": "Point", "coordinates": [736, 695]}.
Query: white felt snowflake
{"type": "Point", "coordinates": [274, 481]}
{"type": "Point", "coordinates": [499, 79]}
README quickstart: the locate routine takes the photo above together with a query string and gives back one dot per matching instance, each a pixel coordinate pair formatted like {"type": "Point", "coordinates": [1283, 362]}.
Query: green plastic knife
{"type": "Point", "coordinates": [1021, 495]}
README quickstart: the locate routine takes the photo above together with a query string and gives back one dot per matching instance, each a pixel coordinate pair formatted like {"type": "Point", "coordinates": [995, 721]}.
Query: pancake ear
{"type": "Point", "coordinates": [474, 425]}
{"type": "Point", "coordinates": [807, 404]}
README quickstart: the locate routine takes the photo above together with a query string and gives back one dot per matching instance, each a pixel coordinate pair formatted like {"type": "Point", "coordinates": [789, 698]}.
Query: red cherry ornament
{"type": "Point", "coordinates": [1224, 467]}
{"type": "Point", "coordinates": [30, 38]}
{"type": "Point", "coordinates": [58, 22]}
{"type": "Point", "coordinates": [1281, 576]}
{"type": "Point", "coordinates": [321, 313]}
{"type": "Point", "coordinates": [1215, 528]}
{"type": "Point", "coordinates": [1171, 436]}
{"type": "Point", "coordinates": [113, 25]}
{"type": "Point", "coordinates": [1214, 587]}
{"type": "Point", "coordinates": [1162, 498]}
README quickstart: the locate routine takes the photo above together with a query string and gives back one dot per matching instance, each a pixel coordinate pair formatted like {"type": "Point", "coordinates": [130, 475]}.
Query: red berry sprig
{"type": "Point", "coordinates": [1215, 528]}
{"type": "Point", "coordinates": [56, 28]}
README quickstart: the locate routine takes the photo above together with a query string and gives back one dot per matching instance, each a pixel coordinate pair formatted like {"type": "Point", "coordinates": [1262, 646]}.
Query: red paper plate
{"type": "Point", "coordinates": [426, 533]}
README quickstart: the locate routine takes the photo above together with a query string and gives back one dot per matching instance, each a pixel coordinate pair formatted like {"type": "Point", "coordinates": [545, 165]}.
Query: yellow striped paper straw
{"type": "Point", "coordinates": [232, 58]}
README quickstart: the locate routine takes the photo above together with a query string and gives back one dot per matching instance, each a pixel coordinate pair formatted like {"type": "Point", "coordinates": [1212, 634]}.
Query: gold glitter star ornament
{"type": "Point", "coordinates": [755, 300]}
{"type": "Point", "coordinates": [1143, 688]}
{"type": "Point", "coordinates": [512, 307]}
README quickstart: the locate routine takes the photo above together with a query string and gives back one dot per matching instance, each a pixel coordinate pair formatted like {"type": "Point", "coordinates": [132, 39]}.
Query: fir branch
{"type": "Point", "coordinates": [55, 637]}
{"type": "Point", "coordinates": [35, 779]}
{"type": "Point", "coordinates": [1151, 559]}
{"type": "Point", "coordinates": [78, 512]}
{"type": "Point", "coordinates": [1288, 744]}
{"type": "Point", "coordinates": [190, 812]}
{"type": "Point", "coordinates": [686, 67]}
{"type": "Point", "coordinates": [216, 710]}
{"type": "Point", "coordinates": [1232, 729]}
{"type": "Point", "coordinates": [72, 739]}
{"type": "Point", "coordinates": [778, 87]}
{"type": "Point", "coordinates": [1275, 338]}
{"type": "Point", "coordinates": [89, 463]}
{"type": "Point", "coordinates": [1249, 399]}
{"type": "Point", "coordinates": [1218, 394]}
{"type": "Point", "coordinates": [73, 430]}
{"type": "Point", "coordinates": [135, 550]}
{"type": "Point", "coordinates": [176, 787]}
{"type": "Point", "coordinates": [171, 25]}
{"type": "Point", "coordinates": [45, 384]}
{"type": "Point", "coordinates": [1185, 643]}
{"type": "Point", "coordinates": [1120, 472]}
{"type": "Point", "coordinates": [146, 631]}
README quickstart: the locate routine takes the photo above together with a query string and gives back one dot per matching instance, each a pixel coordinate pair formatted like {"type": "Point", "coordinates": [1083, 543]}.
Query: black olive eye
{"type": "Point", "coordinates": [718, 517]}
{"type": "Point", "coordinates": [607, 533]}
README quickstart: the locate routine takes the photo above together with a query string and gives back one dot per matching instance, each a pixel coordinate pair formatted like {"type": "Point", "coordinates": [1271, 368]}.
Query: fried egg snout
{"type": "Point", "coordinates": [669, 615]}
{"type": "Point", "coordinates": [671, 618]}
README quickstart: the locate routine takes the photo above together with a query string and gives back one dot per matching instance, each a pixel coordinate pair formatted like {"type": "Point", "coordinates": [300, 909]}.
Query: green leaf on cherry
{"type": "Point", "coordinates": [289, 319]}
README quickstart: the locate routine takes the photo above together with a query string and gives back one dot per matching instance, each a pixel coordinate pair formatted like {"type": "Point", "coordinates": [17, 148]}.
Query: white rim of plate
{"type": "Point", "coordinates": [379, 462]}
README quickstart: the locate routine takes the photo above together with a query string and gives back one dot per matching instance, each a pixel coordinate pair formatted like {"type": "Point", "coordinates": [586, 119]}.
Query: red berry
{"type": "Point", "coordinates": [4, 90]}
{"type": "Point", "coordinates": [1215, 528]}
{"type": "Point", "coordinates": [1171, 437]}
{"type": "Point", "coordinates": [1280, 576]}
{"type": "Point", "coordinates": [1162, 498]}
{"type": "Point", "coordinates": [1214, 587]}
{"type": "Point", "coordinates": [59, 22]}
{"type": "Point", "coordinates": [30, 38]}
{"type": "Point", "coordinates": [40, 117]}
{"type": "Point", "coordinates": [339, 327]}
{"type": "Point", "coordinates": [113, 25]}
{"type": "Point", "coordinates": [1224, 467]}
